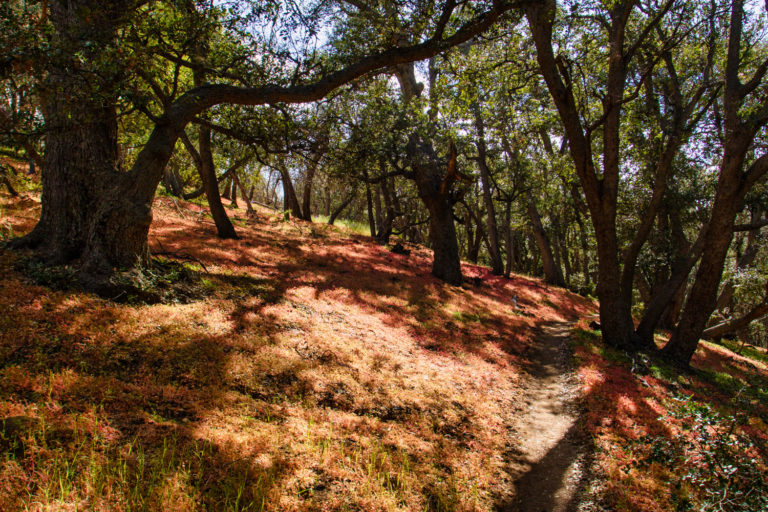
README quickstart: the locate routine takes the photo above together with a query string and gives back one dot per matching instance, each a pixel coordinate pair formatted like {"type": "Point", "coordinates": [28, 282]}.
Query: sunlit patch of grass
{"type": "Point", "coordinates": [360, 228]}
{"type": "Point", "coordinates": [467, 317]}
{"type": "Point", "coordinates": [746, 350]}
{"type": "Point", "coordinates": [78, 467]}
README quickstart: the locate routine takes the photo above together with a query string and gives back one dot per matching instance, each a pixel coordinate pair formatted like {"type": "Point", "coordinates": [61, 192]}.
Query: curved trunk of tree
{"type": "Point", "coordinates": [337, 211]}
{"type": "Point", "coordinates": [552, 273]}
{"type": "Point", "coordinates": [224, 227]}
{"type": "Point", "coordinates": [290, 202]}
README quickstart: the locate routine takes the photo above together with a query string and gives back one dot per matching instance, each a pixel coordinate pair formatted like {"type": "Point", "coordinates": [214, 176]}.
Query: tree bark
{"type": "Point", "coordinates": [334, 215]}
{"type": "Point", "coordinates": [733, 184]}
{"type": "Point", "coordinates": [434, 186]}
{"type": "Point", "coordinates": [369, 204]}
{"type": "Point", "coordinates": [306, 208]}
{"type": "Point", "coordinates": [497, 265]}
{"type": "Point", "coordinates": [552, 273]}
{"type": "Point", "coordinates": [290, 202]}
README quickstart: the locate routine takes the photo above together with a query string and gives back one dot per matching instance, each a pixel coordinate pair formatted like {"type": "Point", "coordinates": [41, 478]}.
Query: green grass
{"type": "Point", "coordinates": [77, 463]}
{"type": "Point", "coordinates": [361, 228]}
{"type": "Point", "coordinates": [745, 350]}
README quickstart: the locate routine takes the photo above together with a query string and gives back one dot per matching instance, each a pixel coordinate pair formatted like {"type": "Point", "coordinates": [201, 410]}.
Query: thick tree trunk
{"type": "Point", "coordinates": [290, 202]}
{"type": "Point", "coordinates": [88, 209]}
{"type": "Point", "coordinates": [442, 237]}
{"type": "Point", "coordinates": [434, 180]}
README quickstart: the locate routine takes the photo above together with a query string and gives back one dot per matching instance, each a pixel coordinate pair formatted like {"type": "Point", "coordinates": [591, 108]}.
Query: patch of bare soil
{"type": "Point", "coordinates": [550, 455]}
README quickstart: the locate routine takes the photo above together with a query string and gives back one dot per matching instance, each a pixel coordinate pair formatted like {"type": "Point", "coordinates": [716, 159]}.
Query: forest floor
{"type": "Point", "coordinates": [303, 367]}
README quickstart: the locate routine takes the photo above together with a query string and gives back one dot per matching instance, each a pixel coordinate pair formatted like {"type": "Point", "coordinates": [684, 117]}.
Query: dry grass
{"type": "Point", "coordinates": [322, 372]}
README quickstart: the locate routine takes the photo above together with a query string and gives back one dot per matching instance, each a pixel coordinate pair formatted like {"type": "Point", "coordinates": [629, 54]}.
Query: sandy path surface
{"type": "Point", "coordinates": [550, 455]}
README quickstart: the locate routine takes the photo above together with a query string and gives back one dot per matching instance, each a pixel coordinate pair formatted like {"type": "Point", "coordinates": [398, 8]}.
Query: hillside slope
{"type": "Point", "coordinates": [304, 367]}
{"type": "Point", "coordinates": [309, 369]}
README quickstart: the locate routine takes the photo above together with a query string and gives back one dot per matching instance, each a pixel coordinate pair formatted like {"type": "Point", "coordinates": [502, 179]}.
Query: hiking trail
{"type": "Point", "coordinates": [551, 458]}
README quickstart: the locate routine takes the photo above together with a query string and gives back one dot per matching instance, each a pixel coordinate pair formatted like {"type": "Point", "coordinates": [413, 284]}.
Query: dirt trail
{"type": "Point", "coordinates": [551, 455]}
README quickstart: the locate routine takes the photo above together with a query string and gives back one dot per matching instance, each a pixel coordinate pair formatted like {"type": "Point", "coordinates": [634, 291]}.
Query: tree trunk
{"type": "Point", "coordinates": [369, 204]}
{"type": "Point", "coordinates": [337, 211]}
{"type": "Point", "coordinates": [733, 184]}
{"type": "Point", "coordinates": [246, 200]}
{"type": "Point", "coordinates": [497, 265]}
{"type": "Point", "coordinates": [434, 180]}
{"type": "Point", "coordinates": [442, 237]}
{"type": "Point", "coordinates": [233, 192]}
{"type": "Point", "coordinates": [385, 226]}
{"type": "Point", "coordinates": [306, 209]}
{"type": "Point", "coordinates": [552, 273]}
{"type": "Point", "coordinates": [508, 240]}
{"type": "Point", "coordinates": [290, 202]}
{"type": "Point", "coordinates": [88, 210]}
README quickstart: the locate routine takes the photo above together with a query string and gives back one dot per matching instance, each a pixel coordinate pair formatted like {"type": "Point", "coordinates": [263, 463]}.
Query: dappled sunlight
{"type": "Point", "coordinates": [317, 368]}
{"type": "Point", "coordinates": [629, 410]}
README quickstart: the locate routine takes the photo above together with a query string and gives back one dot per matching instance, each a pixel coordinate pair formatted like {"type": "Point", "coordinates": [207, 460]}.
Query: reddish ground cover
{"type": "Point", "coordinates": [321, 372]}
